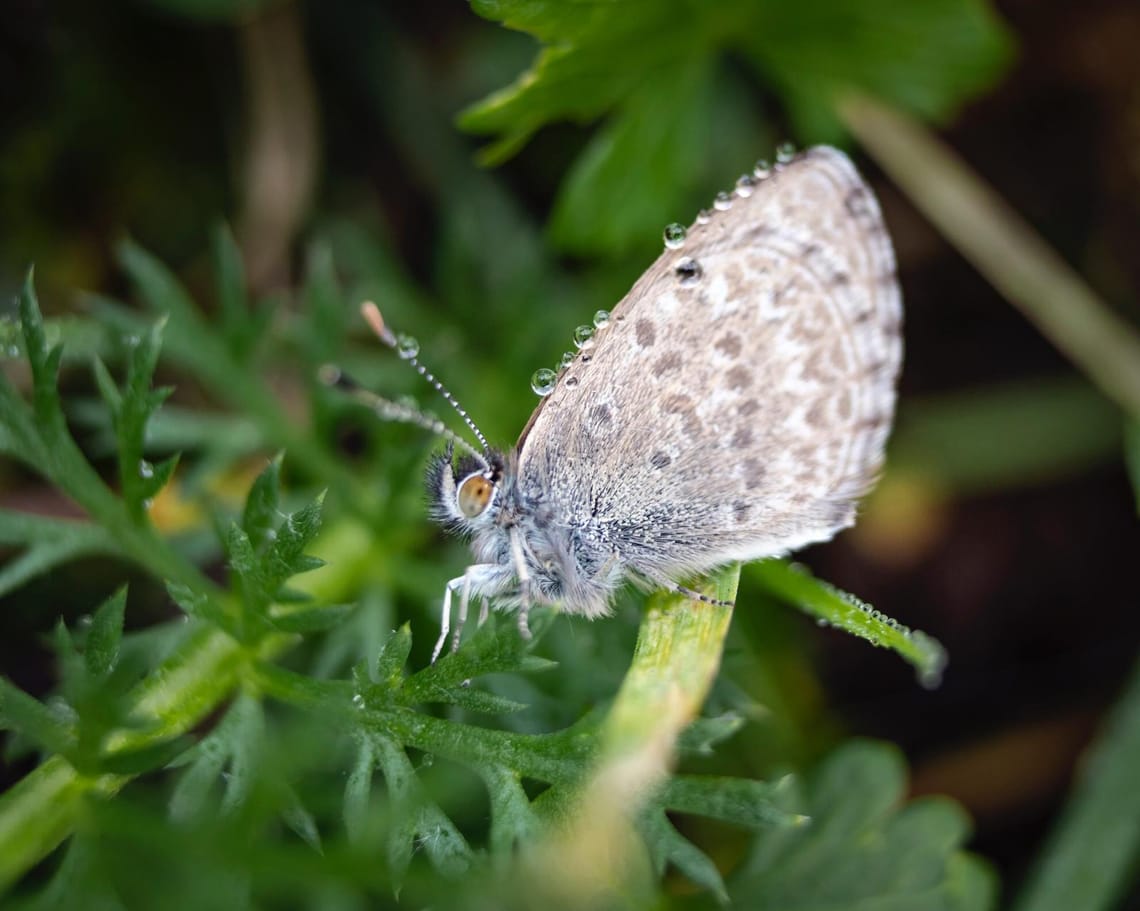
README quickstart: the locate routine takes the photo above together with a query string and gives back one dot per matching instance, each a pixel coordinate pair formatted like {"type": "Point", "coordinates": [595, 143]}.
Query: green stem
{"type": "Point", "coordinates": [1094, 849]}
{"type": "Point", "coordinates": [42, 809]}
{"type": "Point", "coordinates": [1003, 247]}
{"type": "Point", "coordinates": [596, 855]}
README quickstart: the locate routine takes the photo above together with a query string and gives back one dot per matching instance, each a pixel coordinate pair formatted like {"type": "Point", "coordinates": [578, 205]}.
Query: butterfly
{"type": "Point", "coordinates": [734, 405]}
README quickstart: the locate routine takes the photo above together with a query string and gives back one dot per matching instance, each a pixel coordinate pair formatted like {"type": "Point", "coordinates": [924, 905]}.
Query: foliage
{"type": "Point", "coordinates": [278, 739]}
{"type": "Point", "coordinates": [125, 709]}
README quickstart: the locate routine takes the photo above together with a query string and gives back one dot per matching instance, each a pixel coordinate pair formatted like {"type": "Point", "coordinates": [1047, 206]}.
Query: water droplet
{"type": "Point", "coordinates": [584, 336]}
{"type": "Point", "coordinates": [146, 470]}
{"type": "Point", "coordinates": [543, 381]}
{"type": "Point", "coordinates": [704, 217]}
{"type": "Point", "coordinates": [689, 272]}
{"type": "Point", "coordinates": [602, 318]}
{"type": "Point", "coordinates": [723, 201]}
{"type": "Point", "coordinates": [427, 761]}
{"type": "Point", "coordinates": [785, 152]}
{"type": "Point", "coordinates": [822, 621]}
{"type": "Point", "coordinates": [745, 185]}
{"type": "Point", "coordinates": [674, 236]}
{"type": "Point", "coordinates": [358, 701]}
{"type": "Point", "coordinates": [566, 360]}
{"type": "Point", "coordinates": [763, 169]}
{"type": "Point", "coordinates": [131, 341]}
{"type": "Point", "coordinates": [586, 358]}
{"type": "Point", "coordinates": [571, 381]}
{"type": "Point", "coordinates": [148, 503]}
{"type": "Point", "coordinates": [271, 534]}
{"type": "Point", "coordinates": [407, 347]}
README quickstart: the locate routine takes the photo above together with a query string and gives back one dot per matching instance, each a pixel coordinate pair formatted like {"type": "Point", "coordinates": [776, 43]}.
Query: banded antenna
{"type": "Point", "coordinates": [371, 314]}
{"type": "Point", "coordinates": [331, 375]}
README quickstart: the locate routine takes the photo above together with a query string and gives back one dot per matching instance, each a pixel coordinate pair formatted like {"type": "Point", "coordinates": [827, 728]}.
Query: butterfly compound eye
{"type": "Point", "coordinates": [474, 495]}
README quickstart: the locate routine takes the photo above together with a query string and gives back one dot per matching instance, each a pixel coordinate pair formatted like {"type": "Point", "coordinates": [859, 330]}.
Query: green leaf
{"type": "Point", "coordinates": [1090, 859]}
{"type": "Point", "coordinates": [752, 804]}
{"type": "Point", "coordinates": [233, 746]}
{"type": "Point", "coordinates": [419, 822]}
{"type": "Point", "coordinates": [702, 735]}
{"type": "Point", "coordinates": [313, 619]}
{"type": "Point", "coordinates": [667, 846]}
{"type": "Point", "coordinates": [495, 648]}
{"type": "Point", "coordinates": [48, 542]}
{"type": "Point", "coordinates": [105, 635]}
{"type": "Point", "coordinates": [358, 791]}
{"type": "Point", "coordinates": [1007, 435]}
{"type": "Point", "coordinates": [514, 824]}
{"type": "Point", "coordinates": [260, 515]}
{"type": "Point", "coordinates": [393, 657]}
{"type": "Point", "coordinates": [793, 583]}
{"type": "Point", "coordinates": [1132, 457]}
{"type": "Point", "coordinates": [656, 69]}
{"type": "Point", "coordinates": [862, 846]}
{"type": "Point", "coordinates": [52, 729]}
{"type": "Point", "coordinates": [202, 605]}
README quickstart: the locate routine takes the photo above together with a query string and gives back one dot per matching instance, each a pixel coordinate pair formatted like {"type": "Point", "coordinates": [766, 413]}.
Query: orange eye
{"type": "Point", "coordinates": [474, 495]}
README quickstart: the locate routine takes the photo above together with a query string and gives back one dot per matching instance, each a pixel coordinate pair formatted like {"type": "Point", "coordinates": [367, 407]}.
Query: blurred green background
{"type": "Point", "coordinates": [325, 135]}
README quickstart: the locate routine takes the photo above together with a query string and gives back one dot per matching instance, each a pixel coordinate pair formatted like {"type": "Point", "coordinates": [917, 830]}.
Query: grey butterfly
{"type": "Point", "coordinates": [735, 405]}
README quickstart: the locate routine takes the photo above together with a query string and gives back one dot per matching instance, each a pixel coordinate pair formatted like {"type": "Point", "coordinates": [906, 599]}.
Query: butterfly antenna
{"type": "Point", "coordinates": [371, 314]}
{"type": "Point", "coordinates": [331, 375]}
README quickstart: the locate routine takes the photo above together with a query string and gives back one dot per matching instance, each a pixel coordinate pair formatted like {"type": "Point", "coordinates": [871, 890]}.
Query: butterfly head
{"type": "Point", "coordinates": [465, 493]}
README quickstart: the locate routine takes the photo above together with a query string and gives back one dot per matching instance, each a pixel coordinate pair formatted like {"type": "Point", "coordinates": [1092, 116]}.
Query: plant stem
{"type": "Point", "coordinates": [678, 654]}
{"type": "Point", "coordinates": [1003, 247]}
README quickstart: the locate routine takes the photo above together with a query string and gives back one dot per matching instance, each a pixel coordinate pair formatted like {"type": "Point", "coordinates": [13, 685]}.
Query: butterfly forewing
{"type": "Point", "coordinates": [739, 400]}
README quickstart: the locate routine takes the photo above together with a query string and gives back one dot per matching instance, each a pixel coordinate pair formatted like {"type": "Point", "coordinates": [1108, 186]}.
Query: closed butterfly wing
{"type": "Point", "coordinates": [739, 400]}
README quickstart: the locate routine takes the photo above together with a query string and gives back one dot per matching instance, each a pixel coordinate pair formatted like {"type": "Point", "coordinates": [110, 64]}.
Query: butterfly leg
{"type": "Point", "coordinates": [464, 600]}
{"type": "Point", "coordinates": [666, 584]}
{"type": "Point", "coordinates": [524, 582]}
{"type": "Point", "coordinates": [445, 616]}
{"type": "Point", "coordinates": [478, 576]}
{"type": "Point", "coordinates": [697, 596]}
{"type": "Point", "coordinates": [484, 610]}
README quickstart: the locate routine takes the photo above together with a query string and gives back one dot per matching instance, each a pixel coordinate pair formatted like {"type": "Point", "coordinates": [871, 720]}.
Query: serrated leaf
{"type": "Point", "coordinates": [742, 801]}
{"type": "Point", "coordinates": [301, 821]}
{"type": "Point", "coordinates": [358, 792]}
{"type": "Point", "coordinates": [312, 620]}
{"type": "Point", "coordinates": [243, 559]}
{"type": "Point", "coordinates": [104, 636]}
{"type": "Point", "coordinates": [241, 734]}
{"type": "Point", "coordinates": [419, 823]}
{"type": "Point", "coordinates": [199, 604]}
{"type": "Point", "coordinates": [705, 733]}
{"type": "Point", "coordinates": [107, 388]}
{"type": "Point", "coordinates": [667, 846]}
{"type": "Point", "coordinates": [393, 657]}
{"type": "Point", "coordinates": [514, 823]}
{"type": "Point", "coordinates": [34, 720]}
{"type": "Point", "coordinates": [495, 648]}
{"type": "Point", "coordinates": [260, 514]}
